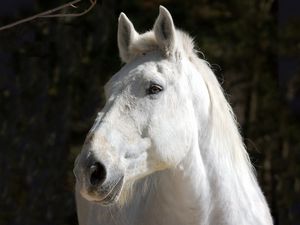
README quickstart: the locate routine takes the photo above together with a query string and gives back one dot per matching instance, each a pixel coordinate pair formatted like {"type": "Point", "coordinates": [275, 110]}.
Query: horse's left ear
{"type": "Point", "coordinates": [164, 31]}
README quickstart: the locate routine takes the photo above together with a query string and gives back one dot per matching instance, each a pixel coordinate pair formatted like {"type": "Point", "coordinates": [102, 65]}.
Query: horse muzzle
{"type": "Point", "coordinates": [97, 182]}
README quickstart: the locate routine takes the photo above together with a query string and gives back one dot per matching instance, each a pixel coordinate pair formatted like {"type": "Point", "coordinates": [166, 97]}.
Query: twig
{"type": "Point", "coordinates": [93, 3]}
{"type": "Point", "coordinates": [47, 14]}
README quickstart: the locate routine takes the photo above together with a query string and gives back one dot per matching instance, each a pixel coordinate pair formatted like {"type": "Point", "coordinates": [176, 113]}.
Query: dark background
{"type": "Point", "coordinates": [52, 73]}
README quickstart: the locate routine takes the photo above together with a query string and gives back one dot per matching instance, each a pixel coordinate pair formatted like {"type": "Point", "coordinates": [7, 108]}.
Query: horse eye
{"type": "Point", "coordinates": [154, 89]}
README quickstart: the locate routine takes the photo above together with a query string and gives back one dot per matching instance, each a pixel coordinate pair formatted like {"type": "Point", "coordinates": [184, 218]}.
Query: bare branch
{"type": "Point", "coordinates": [48, 13]}
{"type": "Point", "coordinates": [93, 3]}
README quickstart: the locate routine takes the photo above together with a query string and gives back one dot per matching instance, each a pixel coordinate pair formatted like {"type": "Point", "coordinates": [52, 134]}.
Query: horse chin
{"type": "Point", "coordinates": [110, 198]}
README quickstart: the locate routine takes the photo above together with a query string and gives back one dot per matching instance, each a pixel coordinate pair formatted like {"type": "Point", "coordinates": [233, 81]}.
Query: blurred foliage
{"type": "Point", "coordinates": [52, 73]}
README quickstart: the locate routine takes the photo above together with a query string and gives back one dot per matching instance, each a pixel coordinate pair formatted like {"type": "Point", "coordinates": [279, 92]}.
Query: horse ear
{"type": "Point", "coordinates": [164, 31]}
{"type": "Point", "coordinates": [126, 35]}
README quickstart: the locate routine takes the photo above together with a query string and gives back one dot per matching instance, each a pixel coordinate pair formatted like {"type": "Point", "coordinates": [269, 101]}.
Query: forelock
{"type": "Point", "coordinates": [146, 42]}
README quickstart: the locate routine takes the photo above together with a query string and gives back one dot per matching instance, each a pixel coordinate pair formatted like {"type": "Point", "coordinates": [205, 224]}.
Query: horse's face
{"type": "Point", "coordinates": [147, 125]}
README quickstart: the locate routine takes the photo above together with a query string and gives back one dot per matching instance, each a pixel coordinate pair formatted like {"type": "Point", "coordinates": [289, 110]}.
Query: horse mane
{"type": "Point", "coordinates": [146, 42]}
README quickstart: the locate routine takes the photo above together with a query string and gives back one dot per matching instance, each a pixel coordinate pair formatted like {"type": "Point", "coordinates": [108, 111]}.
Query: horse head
{"type": "Point", "coordinates": [151, 119]}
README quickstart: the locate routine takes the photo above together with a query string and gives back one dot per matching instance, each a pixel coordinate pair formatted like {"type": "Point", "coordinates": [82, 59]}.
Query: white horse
{"type": "Point", "coordinates": [165, 149]}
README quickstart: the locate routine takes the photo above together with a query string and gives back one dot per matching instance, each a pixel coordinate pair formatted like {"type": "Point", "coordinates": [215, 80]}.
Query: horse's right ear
{"type": "Point", "coordinates": [126, 35]}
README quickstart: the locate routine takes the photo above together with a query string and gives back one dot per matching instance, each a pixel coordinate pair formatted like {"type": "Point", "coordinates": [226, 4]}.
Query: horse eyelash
{"type": "Point", "coordinates": [160, 87]}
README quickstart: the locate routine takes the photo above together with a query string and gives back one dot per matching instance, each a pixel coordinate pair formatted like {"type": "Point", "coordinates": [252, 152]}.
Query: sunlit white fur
{"type": "Point", "coordinates": [185, 160]}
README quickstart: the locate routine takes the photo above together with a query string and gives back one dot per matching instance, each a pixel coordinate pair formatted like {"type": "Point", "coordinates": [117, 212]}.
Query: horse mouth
{"type": "Point", "coordinates": [113, 194]}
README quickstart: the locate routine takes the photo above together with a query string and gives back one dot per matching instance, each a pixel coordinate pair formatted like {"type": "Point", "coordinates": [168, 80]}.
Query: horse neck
{"type": "Point", "coordinates": [206, 189]}
{"type": "Point", "coordinates": [175, 196]}
{"type": "Point", "coordinates": [234, 195]}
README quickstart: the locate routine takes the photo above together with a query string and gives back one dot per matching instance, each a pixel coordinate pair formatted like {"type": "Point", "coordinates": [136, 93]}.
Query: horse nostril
{"type": "Point", "coordinates": [97, 174]}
